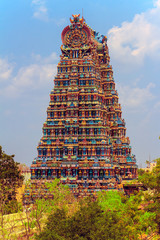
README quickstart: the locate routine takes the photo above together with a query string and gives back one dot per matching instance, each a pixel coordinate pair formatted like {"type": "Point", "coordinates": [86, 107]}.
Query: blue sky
{"type": "Point", "coordinates": [29, 52]}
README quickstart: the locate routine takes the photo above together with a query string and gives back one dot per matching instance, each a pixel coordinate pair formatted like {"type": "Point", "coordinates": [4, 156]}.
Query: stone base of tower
{"type": "Point", "coordinates": [79, 187]}
{"type": "Point", "coordinates": [85, 177]}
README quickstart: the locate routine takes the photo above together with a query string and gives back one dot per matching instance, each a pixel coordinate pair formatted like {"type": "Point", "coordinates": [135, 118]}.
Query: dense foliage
{"type": "Point", "coordinates": [89, 222]}
{"type": "Point", "coordinates": [10, 180]}
{"type": "Point", "coordinates": [111, 216]}
{"type": "Point", "coordinates": [151, 180]}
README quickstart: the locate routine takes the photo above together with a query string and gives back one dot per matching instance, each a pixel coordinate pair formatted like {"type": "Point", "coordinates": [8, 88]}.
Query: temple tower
{"type": "Point", "coordinates": [84, 139]}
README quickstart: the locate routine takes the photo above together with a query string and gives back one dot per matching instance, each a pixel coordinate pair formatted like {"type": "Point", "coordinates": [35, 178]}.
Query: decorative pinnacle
{"type": "Point", "coordinates": [76, 19]}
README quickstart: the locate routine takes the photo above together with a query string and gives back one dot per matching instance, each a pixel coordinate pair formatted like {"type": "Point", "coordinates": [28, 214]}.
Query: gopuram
{"type": "Point", "coordinates": [84, 139]}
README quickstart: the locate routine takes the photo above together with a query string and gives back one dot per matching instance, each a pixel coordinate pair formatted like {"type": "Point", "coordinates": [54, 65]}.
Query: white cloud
{"type": "Point", "coordinates": [5, 69]}
{"type": "Point", "coordinates": [33, 76]}
{"type": "Point", "coordinates": [51, 58]}
{"type": "Point", "coordinates": [157, 3]}
{"type": "Point", "coordinates": [133, 97]}
{"type": "Point", "coordinates": [135, 40]}
{"type": "Point", "coordinates": [40, 10]}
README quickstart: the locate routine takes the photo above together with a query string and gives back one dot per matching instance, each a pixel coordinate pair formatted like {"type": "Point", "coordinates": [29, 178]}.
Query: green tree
{"type": "Point", "coordinates": [10, 180]}
{"type": "Point", "coordinates": [111, 216]}
{"type": "Point", "coordinates": [90, 222]}
{"type": "Point", "coordinates": [55, 227]}
{"type": "Point", "coordinates": [58, 196]}
{"type": "Point", "coordinates": [151, 181]}
{"type": "Point", "coordinates": [62, 196]}
{"type": "Point", "coordinates": [129, 210]}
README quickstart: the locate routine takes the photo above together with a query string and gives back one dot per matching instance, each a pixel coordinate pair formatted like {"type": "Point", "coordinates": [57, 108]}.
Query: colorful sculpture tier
{"type": "Point", "coordinates": [84, 139]}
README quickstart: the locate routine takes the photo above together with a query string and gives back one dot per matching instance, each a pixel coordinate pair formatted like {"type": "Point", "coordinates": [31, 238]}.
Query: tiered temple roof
{"type": "Point", "coordinates": [84, 139]}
